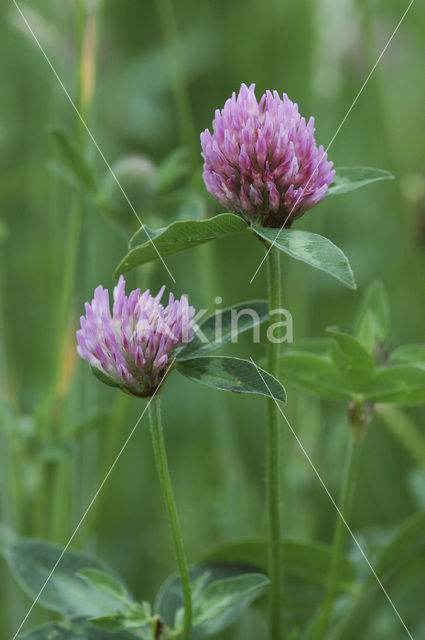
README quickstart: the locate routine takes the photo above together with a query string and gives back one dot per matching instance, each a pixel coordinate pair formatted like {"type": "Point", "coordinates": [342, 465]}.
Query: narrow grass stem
{"type": "Point", "coordinates": [73, 231]}
{"type": "Point", "coordinates": [185, 118]}
{"type": "Point", "coordinates": [340, 534]}
{"type": "Point", "coordinates": [48, 416]}
{"type": "Point", "coordinates": [170, 506]}
{"type": "Point", "coordinates": [272, 458]}
{"type": "Point", "coordinates": [108, 453]}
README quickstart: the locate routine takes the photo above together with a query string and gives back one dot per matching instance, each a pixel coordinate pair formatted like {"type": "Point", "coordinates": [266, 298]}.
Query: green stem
{"type": "Point", "coordinates": [112, 436]}
{"type": "Point", "coordinates": [80, 22]}
{"type": "Point", "coordinates": [170, 505]}
{"type": "Point", "coordinates": [45, 517]}
{"type": "Point", "coordinates": [186, 124]}
{"type": "Point", "coordinates": [404, 428]}
{"type": "Point", "coordinates": [49, 414]}
{"type": "Point", "coordinates": [340, 534]}
{"type": "Point", "coordinates": [273, 488]}
{"type": "Point", "coordinates": [72, 235]}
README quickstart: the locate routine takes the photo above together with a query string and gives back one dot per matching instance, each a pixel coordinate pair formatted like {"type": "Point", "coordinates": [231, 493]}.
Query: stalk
{"type": "Point", "coordinates": [340, 534]}
{"type": "Point", "coordinates": [90, 14]}
{"type": "Point", "coordinates": [170, 506]}
{"type": "Point", "coordinates": [185, 119]}
{"type": "Point", "coordinates": [72, 235]}
{"type": "Point", "coordinates": [11, 504]}
{"type": "Point", "coordinates": [85, 64]}
{"type": "Point", "coordinates": [272, 458]}
{"type": "Point", "coordinates": [107, 455]}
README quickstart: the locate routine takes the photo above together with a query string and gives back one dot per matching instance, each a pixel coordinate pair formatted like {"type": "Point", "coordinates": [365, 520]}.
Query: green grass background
{"type": "Point", "coordinates": [319, 52]}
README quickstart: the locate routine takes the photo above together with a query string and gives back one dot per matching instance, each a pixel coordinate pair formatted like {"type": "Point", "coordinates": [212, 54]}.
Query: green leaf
{"type": "Point", "coordinates": [178, 236]}
{"type": "Point", "coordinates": [400, 384]}
{"type": "Point", "coordinates": [224, 601]}
{"type": "Point", "coordinates": [231, 322]}
{"type": "Point", "coordinates": [198, 585]}
{"type": "Point", "coordinates": [305, 570]}
{"type": "Point", "coordinates": [171, 171]}
{"type": "Point", "coordinates": [187, 233]}
{"type": "Point", "coordinates": [315, 374]}
{"type": "Point", "coordinates": [105, 583]}
{"type": "Point", "coordinates": [409, 354]}
{"type": "Point", "coordinates": [135, 617]}
{"type": "Point", "coordinates": [301, 560]}
{"type": "Point", "coordinates": [393, 561]}
{"type": "Point", "coordinates": [315, 250]}
{"type": "Point", "coordinates": [373, 321]}
{"type": "Point", "coordinates": [232, 374]}
{"type": "Point", "coordinates": [168, 603]}
{"type": "Point", "coordinates": [74, 162]}
{"type": "Point", "coordinates": [220, 596]}
{"type": "Point", "coordinates": [351, 178]}
{"type": "Point", "coordinates": [74, 630]}
{"type": "Point", "coordinates": [367, 332]}
{"type": "Point", "coordinates": [111, 623]}
{"type": "Point", "coordinates": [354, 363]}
{"type": "Point", "coordinates": [31, 562]}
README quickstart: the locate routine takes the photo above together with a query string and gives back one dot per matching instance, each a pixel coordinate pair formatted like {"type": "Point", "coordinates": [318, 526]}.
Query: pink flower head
{"type": "Point", "coordinates": [262, 161]}
{"type": "Point", "coordinates": [131, 347]}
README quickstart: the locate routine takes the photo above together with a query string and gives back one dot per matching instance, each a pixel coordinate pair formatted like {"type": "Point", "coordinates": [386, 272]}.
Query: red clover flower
{"type": "Point", "coordinates": [131, 347]}
{"type": "Point", "coordinates": [262, 161]}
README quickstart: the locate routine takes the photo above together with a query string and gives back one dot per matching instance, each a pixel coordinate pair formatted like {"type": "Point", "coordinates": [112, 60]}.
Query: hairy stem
{"type": "Point", "coordinates": [170, 506]}
{"type": "Point", "coordinates": [272, 457]}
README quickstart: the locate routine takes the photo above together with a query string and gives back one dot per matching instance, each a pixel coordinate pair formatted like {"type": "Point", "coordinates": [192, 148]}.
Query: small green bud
{"type": "Point", "coordinates": [137, 176]}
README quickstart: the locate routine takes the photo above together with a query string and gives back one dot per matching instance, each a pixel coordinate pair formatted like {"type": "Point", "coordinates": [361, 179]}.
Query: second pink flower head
{"type": "Point", "coordinates": [132, 347]}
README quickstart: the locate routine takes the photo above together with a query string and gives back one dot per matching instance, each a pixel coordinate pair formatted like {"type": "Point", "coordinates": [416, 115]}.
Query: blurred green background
{"type": "Point", "coordinates": [153, 94]}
